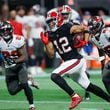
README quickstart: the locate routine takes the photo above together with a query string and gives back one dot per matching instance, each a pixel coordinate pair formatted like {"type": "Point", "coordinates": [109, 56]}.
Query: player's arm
{"type": "Point", "coordinates": [85, 35]}
{"type": "Point", "coordinates": [23, 54]}
{"type": "Point", "coordinates": [48, 44]}
{"type": "Point", "coordinates": [80, 29]}
{"type": "Point", "coordinates": [50, 49]}
{"type": "Point", "coordinates": [77, 29]}
{"type": "Point", "coordinates": [101, 53]}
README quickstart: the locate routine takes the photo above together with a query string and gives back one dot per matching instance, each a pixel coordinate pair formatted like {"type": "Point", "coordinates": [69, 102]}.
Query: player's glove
{"type": "Point", "coordinates": [80, 43]}
{"type": "Point", "coordinates": [9, 62]}
{"type": "Point", "coordinates": [44, 37]}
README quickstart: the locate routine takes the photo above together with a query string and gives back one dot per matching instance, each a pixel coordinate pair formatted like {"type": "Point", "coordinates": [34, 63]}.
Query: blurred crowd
{"type": "Point", "coordinates": [30, 22]}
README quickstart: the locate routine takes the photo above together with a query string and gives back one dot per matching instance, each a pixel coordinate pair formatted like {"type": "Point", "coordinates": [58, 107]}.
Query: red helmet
{"type": "Point", "coordinates": [52, 19]}
{"type": "Point", "coordinates": [95, 24]}
{"type": "Point", "coordinates": [65, 11]}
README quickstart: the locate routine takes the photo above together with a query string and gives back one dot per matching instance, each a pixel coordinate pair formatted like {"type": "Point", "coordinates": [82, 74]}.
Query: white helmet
{"type": "Point", "coordinates": [66, 12]}
{"type": "Point", "coordinates": [52, 20]}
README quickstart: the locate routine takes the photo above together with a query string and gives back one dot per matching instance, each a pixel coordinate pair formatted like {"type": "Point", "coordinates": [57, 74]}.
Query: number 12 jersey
{"type": "Point", "coordinates": [63, 42]}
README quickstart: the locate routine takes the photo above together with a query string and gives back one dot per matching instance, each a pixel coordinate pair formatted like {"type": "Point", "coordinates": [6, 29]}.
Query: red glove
{"type": "Point", "coordinates": [80, 43]}
{"type": "Point", "coordinates": [44, 38]}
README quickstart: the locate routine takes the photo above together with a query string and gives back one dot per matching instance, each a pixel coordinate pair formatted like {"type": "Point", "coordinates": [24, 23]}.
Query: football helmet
{"type": "Point", "coordinates": [95, 24]}
{"type": "Point", "coordinates": [6, 31]}
{"type": "Point", "coordinates": [65, 11]}
{"type": "Point", "coordinates": [52, 20]}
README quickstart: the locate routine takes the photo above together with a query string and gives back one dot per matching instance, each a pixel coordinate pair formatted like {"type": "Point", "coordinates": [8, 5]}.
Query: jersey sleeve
{"type": "Point", "coordinates": [107, 34]}
{"type": "Point", "coordinates": [20, 41]}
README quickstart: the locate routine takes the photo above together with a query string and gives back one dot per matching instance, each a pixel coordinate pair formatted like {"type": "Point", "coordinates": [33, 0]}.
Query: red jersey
{"type": "Point", "coordinates": [17, 27]}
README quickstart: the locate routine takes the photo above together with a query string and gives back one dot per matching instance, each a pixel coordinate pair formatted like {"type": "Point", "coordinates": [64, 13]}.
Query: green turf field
{"type": "Point", "coordinates": [51, 97]}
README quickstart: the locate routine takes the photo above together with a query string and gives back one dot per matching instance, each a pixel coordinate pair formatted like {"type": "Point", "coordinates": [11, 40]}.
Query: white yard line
{"type": "Point", "coordinates": [54, 102]}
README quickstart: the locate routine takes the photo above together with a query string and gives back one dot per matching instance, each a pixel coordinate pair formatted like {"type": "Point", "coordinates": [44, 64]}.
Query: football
{"type": "Point", "coordinates": [77, 37]}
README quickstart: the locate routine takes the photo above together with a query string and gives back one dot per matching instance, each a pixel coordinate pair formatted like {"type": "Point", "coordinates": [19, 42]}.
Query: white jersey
{"type": "Point", "coordinates": [10, 50]}
{"type": "Point", "coordinates": [74, 15]}
{"type": "Point", "coordinates": [104, 41]}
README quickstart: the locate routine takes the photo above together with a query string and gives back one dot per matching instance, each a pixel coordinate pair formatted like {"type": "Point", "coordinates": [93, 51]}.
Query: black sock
{"type": "Point", "coordinates": [106, 82]}
{"type": "Point", "coordinates": [62, 83]}
{"type": "Point", "coordinates": [28, 92]}
{"type": "Point", "coordinates": [98, 91]}
{"type": "Point", "coordinates": [87, 94]}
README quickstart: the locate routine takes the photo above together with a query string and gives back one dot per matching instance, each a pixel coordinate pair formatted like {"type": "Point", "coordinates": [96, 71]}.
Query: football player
{"type": "Point", "coordinates": [100, 36]}
{"type": "Point", "coordinates": [67, 13]}
{"type": "Point", "coordinates": [61, 39]}
{"type": "Point", "coordinates": [14, 52]}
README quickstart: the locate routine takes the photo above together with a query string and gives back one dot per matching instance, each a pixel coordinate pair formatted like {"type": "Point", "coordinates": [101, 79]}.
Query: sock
{"type": "Point", "coordinates": [31, 105]}
{"type": "Point", "coordinates": [62, 83]}
{"type": "Point", "coordinates": [98, 91]}
{"type": "Point", "coordinates": [28, 92]}
{"type": "Point", "coordinates": [87, 94]}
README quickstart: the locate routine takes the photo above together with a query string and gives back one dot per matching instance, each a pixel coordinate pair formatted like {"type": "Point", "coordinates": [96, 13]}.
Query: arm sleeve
{"type": "Point", "coordinates": [20, 41]}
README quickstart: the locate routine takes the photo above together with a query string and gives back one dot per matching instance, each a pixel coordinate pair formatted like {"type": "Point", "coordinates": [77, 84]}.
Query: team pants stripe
{"type": "Point", "coordinates": [70, 67]}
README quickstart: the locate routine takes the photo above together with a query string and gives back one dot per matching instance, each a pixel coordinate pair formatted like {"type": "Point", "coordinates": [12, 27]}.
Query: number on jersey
{"type": "Point", "coordinates": [64, 45]}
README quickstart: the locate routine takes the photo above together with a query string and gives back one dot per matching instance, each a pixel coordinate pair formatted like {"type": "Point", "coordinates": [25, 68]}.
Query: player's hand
{"type": "Point", "coordinates": [80, 43]}
{"type": "Point", "coordinates": [10, 61]}
{"type": "Point", "coordinates": [44, 37]}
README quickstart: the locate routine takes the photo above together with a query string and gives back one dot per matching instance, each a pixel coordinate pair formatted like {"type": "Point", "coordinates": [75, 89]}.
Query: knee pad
{"type": "Point", "coordinates": [54, 76]}
{"type": "Point", "coordinates": [12, 91]}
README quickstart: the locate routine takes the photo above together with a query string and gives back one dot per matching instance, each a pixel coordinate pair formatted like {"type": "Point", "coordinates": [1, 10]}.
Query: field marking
{"type": "Point", "coordinates": [55, 102]}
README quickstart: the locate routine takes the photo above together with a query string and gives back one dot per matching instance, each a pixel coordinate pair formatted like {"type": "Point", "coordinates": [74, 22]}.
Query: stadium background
{"type": "Point", "coordinates": [50, 96]}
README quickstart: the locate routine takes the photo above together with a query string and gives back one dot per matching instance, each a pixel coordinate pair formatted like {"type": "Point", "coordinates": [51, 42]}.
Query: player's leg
{"type": "Point", "coordinates": [22, 74]}
{"type": "Point", "coordinates": [12, 84]}
{"type": "Point", "coordinates": [98, 91]}
{"type": "Point", "coordinates": [32, 82]}
{"type": "Point", "coordinates": [62, 70]}
{"type": "Point", "coordinates": [56, 77]}
{"type": "Point", "coordinates": [87, 94]}
{"type": "Point", "coordinates": [61, 82]}
{"type": "Point", "coordinates": [12, 81]}
{"type": "Point", "coordinates": [106, 77]}
{"type": "Point", "coordinates": [84, 82]}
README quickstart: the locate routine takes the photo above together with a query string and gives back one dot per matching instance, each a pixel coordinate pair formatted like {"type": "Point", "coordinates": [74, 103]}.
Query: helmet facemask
{"type": "Point", "coordinates": [52, 20]}
{"type": "Point", "coordinates": [66, 17]}
{"type": "Point", "coordinates": [94, 26]}
{"type": "Point", "coordinates": [65, 11]}
{"type": "Point", "coordinates": [52, 24]}
{"type": "Point", "coordinates": [6, 31]}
